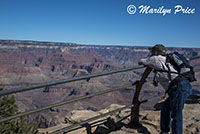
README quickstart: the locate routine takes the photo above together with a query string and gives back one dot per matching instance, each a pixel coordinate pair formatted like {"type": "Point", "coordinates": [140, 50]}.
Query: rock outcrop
{"type": "Point", "coordinates": [118, 123]}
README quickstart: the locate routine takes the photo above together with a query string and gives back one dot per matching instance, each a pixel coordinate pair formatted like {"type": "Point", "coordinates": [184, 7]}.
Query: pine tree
{"type": "Point", "coordinates": [14, 126]}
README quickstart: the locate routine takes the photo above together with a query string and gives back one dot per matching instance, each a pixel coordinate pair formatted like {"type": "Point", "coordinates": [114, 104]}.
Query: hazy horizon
{"type": "Point", "coordinates": [114, 45]}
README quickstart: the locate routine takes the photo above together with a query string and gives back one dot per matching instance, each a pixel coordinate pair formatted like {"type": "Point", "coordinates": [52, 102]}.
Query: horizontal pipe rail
{"type": "Point", "coordinates": [151, 99]}
{"type": "Point", "coordinates": [102, 115]}
{"type": "Point", "coordinates": [194, 58]}
{"type": "Point", "coordinates": [52, 83]}
{"type": "Point", "coordinates": [65, 102]}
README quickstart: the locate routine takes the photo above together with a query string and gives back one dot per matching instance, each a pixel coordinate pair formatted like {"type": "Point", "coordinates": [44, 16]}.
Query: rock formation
{"type": "Point", "coordinates": [118, 123]}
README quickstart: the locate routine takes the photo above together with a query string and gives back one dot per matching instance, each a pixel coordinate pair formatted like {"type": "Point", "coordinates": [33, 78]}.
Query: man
{"type": "Point", "coordinates": [172, 107]}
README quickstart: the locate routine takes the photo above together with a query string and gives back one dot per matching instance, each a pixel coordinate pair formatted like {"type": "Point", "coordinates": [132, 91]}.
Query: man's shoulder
{"type": "Point", "coordinates": [153, 60]}
{"type": "Point", "coordinates": [156, 57]}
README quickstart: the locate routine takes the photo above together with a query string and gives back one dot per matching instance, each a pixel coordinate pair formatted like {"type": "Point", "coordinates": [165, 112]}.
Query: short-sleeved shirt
{"type": "Point", "coordinates": [158, 63]}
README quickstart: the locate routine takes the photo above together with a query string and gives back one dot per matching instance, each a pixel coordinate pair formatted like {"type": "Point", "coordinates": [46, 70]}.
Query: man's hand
{"type": "Point", "coordinates": [140, 63]}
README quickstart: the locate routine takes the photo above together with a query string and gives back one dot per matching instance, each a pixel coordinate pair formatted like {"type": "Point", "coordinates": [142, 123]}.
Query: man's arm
{"type": "Point", "coordinates": [152, 62]}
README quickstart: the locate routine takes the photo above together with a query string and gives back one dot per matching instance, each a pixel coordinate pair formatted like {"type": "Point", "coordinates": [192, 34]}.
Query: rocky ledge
{"type": "Point", "coordinates": [118, 123]}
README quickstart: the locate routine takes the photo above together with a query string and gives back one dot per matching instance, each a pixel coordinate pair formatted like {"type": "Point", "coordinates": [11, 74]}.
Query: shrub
{"type": "Point", "coordinates": [14, 126]}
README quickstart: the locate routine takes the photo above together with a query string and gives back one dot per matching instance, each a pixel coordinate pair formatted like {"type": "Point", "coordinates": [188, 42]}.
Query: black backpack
{"type": "Point", "coordinates": [181, 65]}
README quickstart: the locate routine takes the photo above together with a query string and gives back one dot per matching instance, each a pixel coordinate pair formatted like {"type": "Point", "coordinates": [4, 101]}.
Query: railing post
{"type": "Point", "coordinates": [136, 108]}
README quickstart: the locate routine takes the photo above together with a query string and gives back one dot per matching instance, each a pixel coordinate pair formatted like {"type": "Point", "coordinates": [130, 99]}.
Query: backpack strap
{"type": "Point", "coordinates": [155, 81]}
{"type": "Point", "coordinates": [169, 71]}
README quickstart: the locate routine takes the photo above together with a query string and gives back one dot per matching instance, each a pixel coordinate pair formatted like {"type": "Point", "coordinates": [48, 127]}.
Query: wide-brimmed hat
{"type": "Point", "coordinates": [158, 48]}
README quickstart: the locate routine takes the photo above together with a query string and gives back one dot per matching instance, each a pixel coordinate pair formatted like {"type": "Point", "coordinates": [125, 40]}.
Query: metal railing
{"type": "Point", "coordinates": [21, 89]}
{"type": "Point", "coordinates": [87, 77]}
{"type": "Point", "coordinates": [64, 102]}
{"type": "Point", "coordinates": [52, 83]}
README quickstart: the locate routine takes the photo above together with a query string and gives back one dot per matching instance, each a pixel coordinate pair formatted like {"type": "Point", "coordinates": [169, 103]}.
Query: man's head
{"type": "Point", "coordinates": [158, 49]}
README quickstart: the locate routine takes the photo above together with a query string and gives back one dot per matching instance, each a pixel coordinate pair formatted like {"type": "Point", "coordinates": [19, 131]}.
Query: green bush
{"type": "Point", "coordinates": [14, 126]}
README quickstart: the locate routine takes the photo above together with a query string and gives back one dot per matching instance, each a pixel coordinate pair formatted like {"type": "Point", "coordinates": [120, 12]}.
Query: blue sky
{"type": "Point", "coordinates": [100, 22]}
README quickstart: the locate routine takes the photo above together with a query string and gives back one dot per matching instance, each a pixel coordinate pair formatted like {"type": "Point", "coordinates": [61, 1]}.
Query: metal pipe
{"type": "Point", "coordinates": [64, 102]}
{"type": "Point", "coordinates": [52, 83]}
{"type": "Point", "coordinates": [194, 58]}
{"type": "Point", "coordinates": [151, 99]}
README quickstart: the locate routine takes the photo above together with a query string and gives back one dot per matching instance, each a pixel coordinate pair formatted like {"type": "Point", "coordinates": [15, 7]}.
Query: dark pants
{"type": "Point", "coordinates": [172, 108]}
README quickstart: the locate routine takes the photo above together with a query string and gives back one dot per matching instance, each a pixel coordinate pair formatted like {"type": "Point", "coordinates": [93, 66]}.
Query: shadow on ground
{"type": "Point", "coordinates": [110, 126]}
{"type": "Point", "coordinates": [193, 99]}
